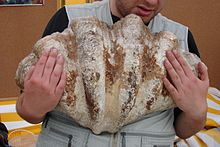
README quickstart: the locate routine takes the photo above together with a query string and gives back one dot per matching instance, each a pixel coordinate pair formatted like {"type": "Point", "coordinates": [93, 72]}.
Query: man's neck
{"type": "Point", "coordinates": [114, 10]}
{"type": "Point", "coordinates": [116, 18]}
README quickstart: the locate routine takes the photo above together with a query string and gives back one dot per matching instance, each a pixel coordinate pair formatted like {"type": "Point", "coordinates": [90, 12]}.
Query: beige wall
{"type": "Point", "coordinates": [21, 27]}
{"type": "Point", "coordinates": [203, 19]}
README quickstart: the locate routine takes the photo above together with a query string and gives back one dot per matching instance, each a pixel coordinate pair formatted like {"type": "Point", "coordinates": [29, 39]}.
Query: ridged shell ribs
{"type": "Point", "coordinates": [114, 74]}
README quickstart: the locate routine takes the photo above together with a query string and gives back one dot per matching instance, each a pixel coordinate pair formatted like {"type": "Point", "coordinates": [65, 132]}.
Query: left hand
{"type": "Point", "coordinates": [188, 91]}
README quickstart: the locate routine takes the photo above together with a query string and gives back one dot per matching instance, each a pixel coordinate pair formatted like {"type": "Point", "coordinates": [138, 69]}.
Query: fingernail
{"type": "Point", "coordinates": [47, 50]}
{"type": "Point", "coordinates": [175, 51]}
{"type": "Point", "coordinates": [60, 57]}
{"type": "Point", "coordinates": [53, 49]}
{"type": "Point", "coordinates": [32, 67]}
{"type": "Point", "coordinates": [203, 64]}
{"type": "Point", "coordinates": [168, 52]}
{"type": "Point", "coordinates": [165, 61]}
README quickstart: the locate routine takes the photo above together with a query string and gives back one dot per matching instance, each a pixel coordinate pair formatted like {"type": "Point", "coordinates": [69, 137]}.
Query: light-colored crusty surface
{"type": "Point", "coordinates": [114, 73]}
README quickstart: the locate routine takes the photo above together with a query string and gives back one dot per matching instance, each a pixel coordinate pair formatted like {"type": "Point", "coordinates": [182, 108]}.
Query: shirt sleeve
{"type": "Point", "coordinates": [57, 23]}
{"type": "Point", "coordinates": [192, 44]}
{"type": "Point", "coordinates": [192, 49]}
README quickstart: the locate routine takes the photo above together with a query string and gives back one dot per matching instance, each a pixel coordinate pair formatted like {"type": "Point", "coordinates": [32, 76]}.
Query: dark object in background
{"type": "Point", "coordinates": [3, 135]}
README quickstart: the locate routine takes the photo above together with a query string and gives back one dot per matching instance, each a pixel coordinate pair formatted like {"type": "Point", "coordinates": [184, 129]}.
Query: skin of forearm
{"type": "Point", "coordinates": [186, 126]}
{"type": "Point", "coordinates": [25, 114]}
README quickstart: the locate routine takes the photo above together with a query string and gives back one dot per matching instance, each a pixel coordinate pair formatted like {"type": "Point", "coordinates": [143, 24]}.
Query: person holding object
{"type": "Point", "coordinates": [45, 82]}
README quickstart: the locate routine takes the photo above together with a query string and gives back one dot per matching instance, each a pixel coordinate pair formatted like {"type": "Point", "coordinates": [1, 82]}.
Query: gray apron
{"type": "Point", "coordinates": [155, 130]}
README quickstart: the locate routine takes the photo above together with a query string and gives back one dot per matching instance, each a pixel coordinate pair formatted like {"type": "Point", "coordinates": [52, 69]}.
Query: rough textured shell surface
{"type": "Point", "coordinates": [114, 73]}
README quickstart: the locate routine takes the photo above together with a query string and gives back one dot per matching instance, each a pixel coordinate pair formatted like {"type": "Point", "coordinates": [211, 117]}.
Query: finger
{"type": "Point", "coordinates": [39, 67]}
{"type": "Point", "coordinates": [176, 65]}
{"type": "Point", "coordinates": [203, 71]}
{"type": "Point", "coordinates": [61, 85]}
{"type": "Point", "coordinates": [187, 70]}
{"type": "Point", "coordinates": [173, 75]}
{"type": "Point", "coordinates": [170, 88]}
{"type": "Point", "coordinates": [29, 73]}
{"type": "Point", "coordinates": [57, 72]}
{"type": "Point", "coordinates": [51, 61]}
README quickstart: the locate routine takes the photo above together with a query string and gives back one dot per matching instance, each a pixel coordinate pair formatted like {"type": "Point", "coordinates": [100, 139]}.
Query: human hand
{"type": "Point", "coordinates": [44, 84]}
{"type": "Point", "coordinates": [188, 91]}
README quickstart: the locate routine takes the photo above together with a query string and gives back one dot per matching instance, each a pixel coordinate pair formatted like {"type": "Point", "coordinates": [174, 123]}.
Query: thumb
{"type": "Point", "coordinates": [203, 71]}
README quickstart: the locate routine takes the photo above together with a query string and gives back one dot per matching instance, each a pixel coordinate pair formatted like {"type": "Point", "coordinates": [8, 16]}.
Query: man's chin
{"type": "Point", "coordinates": [146, 19]}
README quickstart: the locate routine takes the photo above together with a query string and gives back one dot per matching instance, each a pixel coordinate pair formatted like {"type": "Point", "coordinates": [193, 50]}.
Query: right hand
{"type": "Point", "coordinates": [44, 84]}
